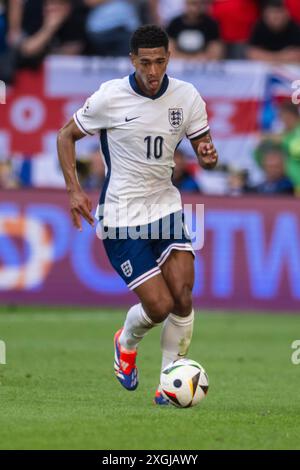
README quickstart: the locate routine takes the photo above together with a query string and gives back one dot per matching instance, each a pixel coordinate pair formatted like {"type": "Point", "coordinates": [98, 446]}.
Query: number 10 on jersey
{"type": "Point", "coordinates": [154, 146]}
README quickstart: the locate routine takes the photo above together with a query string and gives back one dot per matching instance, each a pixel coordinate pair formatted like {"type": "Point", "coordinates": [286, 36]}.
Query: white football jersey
{"type": "Point", "coordinates": [139, 135]}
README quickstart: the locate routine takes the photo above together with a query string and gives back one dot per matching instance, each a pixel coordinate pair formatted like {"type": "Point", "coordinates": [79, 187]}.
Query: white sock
{"type": "Point", "coordinates": [136, 326]}
{"type": "Point", "coordinates": [176, 337]}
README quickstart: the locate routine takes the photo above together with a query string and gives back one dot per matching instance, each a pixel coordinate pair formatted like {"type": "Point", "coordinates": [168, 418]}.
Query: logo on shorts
{"type": "Point", "coordinates": [175, 117]}
{"type": "Point", "coordinates": [127, 268]}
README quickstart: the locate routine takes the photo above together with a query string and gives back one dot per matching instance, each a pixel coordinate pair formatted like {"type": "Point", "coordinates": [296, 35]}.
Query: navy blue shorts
{"type": "Point", "coordinates": [137, 253]}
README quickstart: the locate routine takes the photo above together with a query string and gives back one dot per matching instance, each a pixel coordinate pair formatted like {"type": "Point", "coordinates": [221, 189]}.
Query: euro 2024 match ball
{"type": "Point", "coordinates": [184, 383]}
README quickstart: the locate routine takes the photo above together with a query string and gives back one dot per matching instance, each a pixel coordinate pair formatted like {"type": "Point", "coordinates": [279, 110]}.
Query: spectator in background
{"type": "Point", "coordinates": [275, 38]}
{"type": "Point", "coordinates": [7, 176]}
{"type": "Point", "coordinates": [38, 171]}
{"type": "Point", "coordinates": [97, 170]}
{"type": "Point", "coordinates": [293, 7]}
{"type": "Point", "coordinates": [82, 169]}
{"type": "Point", "coordinates": [236, 20]}
{"type": "Point", "coordinates": [276, 181]}
{"type": "Point", "coordinates": [195, 34]}
{"type": "Point", "coordinates": [2, 26]}
{"type": "Point", "coordinates": [144, 11]}
{"type": "Point", "coordinates": [25, 18]}
{"type": "Point", "coordinates": [55, 27]}
{"type": "Point", "coordinates": [182, 176]}
{"type": "Point", "coordinates": [237, 182]}
{"type": "Point", "coordinates": [163, 11]}
{"type": "Point", "coordinates": [7, 57]}
{"type": "Point", "coordinates": [91, 171]}
{"type": "Point", "coordinates": [109, 26]}
{"type": "Point", "coordinates": [289, 114]}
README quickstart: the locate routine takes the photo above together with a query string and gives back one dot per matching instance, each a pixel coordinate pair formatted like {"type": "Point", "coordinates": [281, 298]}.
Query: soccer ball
{"type": "Point", "coordinates": [184, 383]}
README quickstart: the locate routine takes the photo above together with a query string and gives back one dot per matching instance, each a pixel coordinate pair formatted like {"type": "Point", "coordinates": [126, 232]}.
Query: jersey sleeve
{"type": "Point", "coordinates": [94, 114]}
{"type": "Point", "coordinates": [197, 124]}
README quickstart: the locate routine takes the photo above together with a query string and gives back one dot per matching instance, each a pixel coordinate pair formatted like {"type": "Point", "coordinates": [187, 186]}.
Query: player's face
{"type": "Point", "coordinates": [150, 66]}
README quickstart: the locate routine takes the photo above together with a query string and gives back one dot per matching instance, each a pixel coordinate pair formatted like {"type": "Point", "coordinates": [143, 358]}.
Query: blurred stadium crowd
{"type": "Point", "coordinates": [200, 30]}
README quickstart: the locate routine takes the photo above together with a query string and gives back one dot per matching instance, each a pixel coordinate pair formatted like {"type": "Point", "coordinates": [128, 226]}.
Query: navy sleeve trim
{"type": "Point", "coordinates": [81, 126]}
{"type": "Point", "coordinates": [199, 133]}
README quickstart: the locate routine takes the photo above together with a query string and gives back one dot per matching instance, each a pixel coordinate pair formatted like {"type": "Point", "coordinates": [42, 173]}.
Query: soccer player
{"type": "Point", "coordinates": [141, 120]}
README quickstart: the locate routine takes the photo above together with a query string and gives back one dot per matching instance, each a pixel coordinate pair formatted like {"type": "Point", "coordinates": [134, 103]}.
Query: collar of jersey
{"type": "Point", "coordinates": [134, 85]}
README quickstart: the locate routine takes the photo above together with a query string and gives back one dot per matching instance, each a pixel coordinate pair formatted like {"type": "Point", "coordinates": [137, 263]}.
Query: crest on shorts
{"type": "Point", "coordinates": [175, 117]}
{"type": "Point", "coordinates": [127, 268]}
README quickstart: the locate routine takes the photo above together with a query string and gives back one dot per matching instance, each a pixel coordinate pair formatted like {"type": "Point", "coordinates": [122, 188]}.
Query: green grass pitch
{"type": "Point", "coordinates": [58, 390]}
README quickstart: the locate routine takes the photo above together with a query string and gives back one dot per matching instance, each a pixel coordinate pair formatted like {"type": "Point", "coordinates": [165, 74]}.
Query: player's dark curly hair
{"type": "Point", "coordinates": [148, 37]}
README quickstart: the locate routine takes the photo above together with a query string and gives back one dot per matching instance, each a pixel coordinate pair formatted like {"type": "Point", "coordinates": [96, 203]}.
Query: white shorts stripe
{"type": "Point", "coordinates": [145, 277]}
{"type": "Point", "coordinates": [174, 246]}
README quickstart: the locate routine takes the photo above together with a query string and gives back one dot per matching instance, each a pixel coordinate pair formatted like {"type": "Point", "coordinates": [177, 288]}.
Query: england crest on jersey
{"type": "Point", "coordinates": [175, 117]}
{"type": "Point", "coordinates": [127, 268]}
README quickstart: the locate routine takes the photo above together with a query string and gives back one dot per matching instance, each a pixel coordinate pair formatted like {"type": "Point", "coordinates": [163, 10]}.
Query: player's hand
{"type": "Point", "coordinates": [208, 154]}
{"type": "Point", "coordinates": [81, 206]}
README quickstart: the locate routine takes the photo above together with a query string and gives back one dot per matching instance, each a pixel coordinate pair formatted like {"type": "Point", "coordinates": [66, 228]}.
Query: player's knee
{"type": "Point", "coordinates": [159, 308]}
{"type": "Point", "coordinates": [183, 302]}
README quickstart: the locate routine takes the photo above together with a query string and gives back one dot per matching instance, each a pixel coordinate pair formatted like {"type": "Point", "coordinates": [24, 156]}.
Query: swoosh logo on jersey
{"type": "Point", "coordinates": [131, 119]}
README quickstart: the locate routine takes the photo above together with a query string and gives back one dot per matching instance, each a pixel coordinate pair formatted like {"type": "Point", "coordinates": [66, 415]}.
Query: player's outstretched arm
{"type": "Point", "coordinates": [80, 204]}
{"type": "Point", "coordinates": [205, 151]}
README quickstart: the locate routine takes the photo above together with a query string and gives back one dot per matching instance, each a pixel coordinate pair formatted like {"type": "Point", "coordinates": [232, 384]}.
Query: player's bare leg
{"type": "Point", "coordinates": [166, 297]}
{"type": "Point", "coordinates": [178, 272]}
{"type": "Point", "coordinates": [156, 303]}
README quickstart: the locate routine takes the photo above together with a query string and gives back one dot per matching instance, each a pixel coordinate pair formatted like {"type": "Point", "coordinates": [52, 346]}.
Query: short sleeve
{"type": "Point", "coordinates": [197, 124]}
{"type": "Point", "coordinates": [94, 115]}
